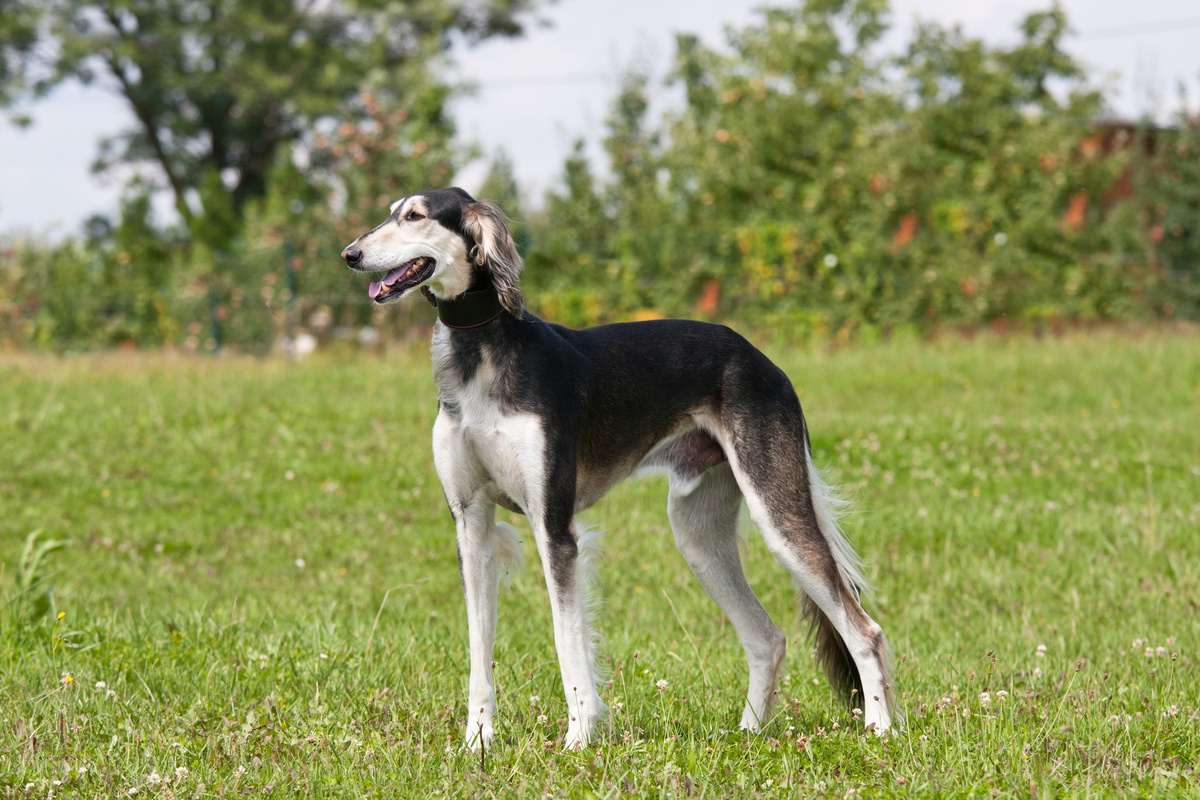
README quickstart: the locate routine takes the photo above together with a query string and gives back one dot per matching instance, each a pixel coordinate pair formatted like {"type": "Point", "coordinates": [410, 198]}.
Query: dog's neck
{"type": "Point", "coordinates": [470, 309]}
{"type": "Point", "coordinates": [476, 307]}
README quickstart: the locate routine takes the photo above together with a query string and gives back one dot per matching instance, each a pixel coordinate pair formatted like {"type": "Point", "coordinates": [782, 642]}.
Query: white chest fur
{"type": "Point", "coordinates": [479, 448]}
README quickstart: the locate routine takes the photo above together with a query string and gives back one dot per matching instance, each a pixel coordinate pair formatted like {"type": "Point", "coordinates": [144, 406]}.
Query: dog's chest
{"type": "Point", "coordinates": [484, 443]}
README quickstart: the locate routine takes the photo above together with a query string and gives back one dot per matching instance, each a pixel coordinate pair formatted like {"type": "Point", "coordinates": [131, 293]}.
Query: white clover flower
{"type": "Point", "coordinates": [662, 685]}
{"type": "Point", "coordinates": [1149, 652]}
{"type": "Point", "coordinates": [1037, 672]}
{"type": "Point", "coordinates": [985, 698]}
{"type": "Point", "coordinates": [154, 779]}
{"type": "Point", "coordinates": [534, 699]}
{"type": "Point", "coordinates": [1041, 651]}
{"type": "Point", "coordinates": [542, 720]}
{"type": "Point", "coordinates": [180, 772]}
{"type": "Point", "coordinates": [101, 685]}
{"type": "Point", "coordinates": [617, 706]}
{"type": "Point", "coordinates": [1160, 651]}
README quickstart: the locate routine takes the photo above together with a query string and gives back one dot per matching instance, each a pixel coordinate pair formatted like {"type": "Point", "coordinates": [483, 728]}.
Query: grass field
{"type": "Point", "coordinates": [258, 591]}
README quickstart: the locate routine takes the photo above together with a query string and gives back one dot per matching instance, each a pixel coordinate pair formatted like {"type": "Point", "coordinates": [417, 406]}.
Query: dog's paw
{"type": "Point", "coordinates": [877, 718]}
{"type": "Point", "coordinates": [479, 736]}
{"type": "Point", "coordinates": [578, 736]}
{"type": "Point", "coordinates": [750, 721]}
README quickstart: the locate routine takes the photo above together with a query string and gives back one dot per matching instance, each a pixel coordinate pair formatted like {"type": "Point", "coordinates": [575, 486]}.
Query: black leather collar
{"type": "Point", "coordinates": [470, 309]}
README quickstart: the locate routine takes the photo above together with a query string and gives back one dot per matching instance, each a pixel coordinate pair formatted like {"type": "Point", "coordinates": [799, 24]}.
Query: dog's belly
{"type": "Point", "coordinates": [685, 456]}
{"type": "Point", "coordinates": [506, 502]}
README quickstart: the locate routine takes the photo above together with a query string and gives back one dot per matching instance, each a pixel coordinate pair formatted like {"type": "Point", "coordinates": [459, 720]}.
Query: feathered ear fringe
{"type": "Point", "coordinates": [495, 250]}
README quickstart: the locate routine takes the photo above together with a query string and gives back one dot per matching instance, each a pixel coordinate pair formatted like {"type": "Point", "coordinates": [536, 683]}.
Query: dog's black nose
{"type": "Point", "coordinates": [352, 255]}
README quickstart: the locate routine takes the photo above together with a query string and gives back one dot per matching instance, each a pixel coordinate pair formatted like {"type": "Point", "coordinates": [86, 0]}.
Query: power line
{"type": "Point", "coordinates": [1137, 29]}
{"type": "Point", "coordinates": [547, 80]}
{"type": "Point", "coordinates": [1165, 26]}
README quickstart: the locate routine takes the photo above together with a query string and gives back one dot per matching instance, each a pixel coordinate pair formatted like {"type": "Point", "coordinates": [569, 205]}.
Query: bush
{"type": "Point", "coordinates": [806, 184]}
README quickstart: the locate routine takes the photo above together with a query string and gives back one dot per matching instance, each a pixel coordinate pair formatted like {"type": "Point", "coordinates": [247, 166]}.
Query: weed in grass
{"type": "Point", "coordinates": [34, 589]}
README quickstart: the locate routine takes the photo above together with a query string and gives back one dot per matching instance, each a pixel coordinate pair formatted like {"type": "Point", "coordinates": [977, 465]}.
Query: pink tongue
{"type": "Point", "coordinates": [390, 278]}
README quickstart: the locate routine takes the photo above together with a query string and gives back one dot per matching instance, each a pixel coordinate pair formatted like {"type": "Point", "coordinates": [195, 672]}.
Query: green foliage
{"type": "Point", "coordinates": [238, 524]}
{"type": "Point", "coordinates": [1171, 205]}
{"type": "Point", "coordinates": [137, 283]}
{"type": "Point", "coordinates": [18, 37]}
{"type": "Point", "coordinates": [113, 287]}
{"type": "Point", "coordinates": [805, 185]}
{"type": "Point", "coordinates": [809, 185]}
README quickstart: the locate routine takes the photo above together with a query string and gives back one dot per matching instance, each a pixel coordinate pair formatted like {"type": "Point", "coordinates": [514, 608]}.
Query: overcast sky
{"type": "Point", "coordinates": [539, 93]}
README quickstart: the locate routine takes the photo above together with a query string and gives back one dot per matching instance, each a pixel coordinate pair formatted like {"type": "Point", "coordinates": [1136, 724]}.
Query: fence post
{"type": "Point", "coordinates": [214, 303]}
{"type": "Point", "coordinates": [289, 251]}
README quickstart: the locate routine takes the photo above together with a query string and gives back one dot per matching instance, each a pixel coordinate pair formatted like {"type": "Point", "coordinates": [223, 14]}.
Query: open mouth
{"type": "Point", "coordinates": [400, 279]}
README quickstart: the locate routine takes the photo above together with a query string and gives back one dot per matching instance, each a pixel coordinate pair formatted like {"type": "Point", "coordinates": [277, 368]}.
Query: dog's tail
{"type": "Point", "coordinates": [831, 650]}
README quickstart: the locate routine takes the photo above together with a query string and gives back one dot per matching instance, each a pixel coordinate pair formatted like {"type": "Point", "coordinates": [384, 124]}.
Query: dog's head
{"type": "Point", "coordinates": [442, 239]}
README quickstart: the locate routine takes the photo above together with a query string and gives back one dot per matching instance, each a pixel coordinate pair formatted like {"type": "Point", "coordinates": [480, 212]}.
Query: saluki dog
{"type": "Point", "coordinates": [542, 420]}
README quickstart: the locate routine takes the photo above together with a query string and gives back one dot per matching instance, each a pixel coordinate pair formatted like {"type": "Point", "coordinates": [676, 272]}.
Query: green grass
{"type": "Point", "coordinates": [234, 526]}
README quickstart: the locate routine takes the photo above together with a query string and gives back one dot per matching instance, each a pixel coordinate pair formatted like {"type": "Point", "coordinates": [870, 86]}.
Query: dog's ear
{"type": "Point", "coordinates": [495, 250]}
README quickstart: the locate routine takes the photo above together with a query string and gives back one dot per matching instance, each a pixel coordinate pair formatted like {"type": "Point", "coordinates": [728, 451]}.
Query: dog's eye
{"type": "Point", "coordinates": [414, 215]}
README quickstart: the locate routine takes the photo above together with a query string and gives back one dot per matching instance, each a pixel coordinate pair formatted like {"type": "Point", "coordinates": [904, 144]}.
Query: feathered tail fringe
{"type": "Point", "coordinates": [831, 652]}
{"type": "Point", "coordinates": [507, 552]}
{"type": "Point", "coordinates": [589, 540]}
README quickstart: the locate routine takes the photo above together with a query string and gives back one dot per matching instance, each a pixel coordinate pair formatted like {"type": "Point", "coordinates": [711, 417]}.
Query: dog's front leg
{"type": "Point", "coordinates": [564, 553]}
{"type": "Point", "coordinates": [487, 554]}
{"type": "Point", "coordinates": [485, 557]}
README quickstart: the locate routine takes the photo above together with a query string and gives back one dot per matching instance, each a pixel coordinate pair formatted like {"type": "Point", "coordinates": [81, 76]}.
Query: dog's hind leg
{"type": "Point", "coordinates": [488, 553]}
{"type": "Point", "coordinates": [704, 515]}
{"type": "Point", "coordinates": [794, 512]}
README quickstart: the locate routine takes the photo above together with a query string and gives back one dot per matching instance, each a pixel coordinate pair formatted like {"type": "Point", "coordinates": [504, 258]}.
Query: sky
{"type": "Point", "coordinates": [536, 95]}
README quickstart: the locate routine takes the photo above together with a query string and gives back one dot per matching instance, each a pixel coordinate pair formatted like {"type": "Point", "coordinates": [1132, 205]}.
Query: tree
{"type": "Point", "coordinates": [220, 87]}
